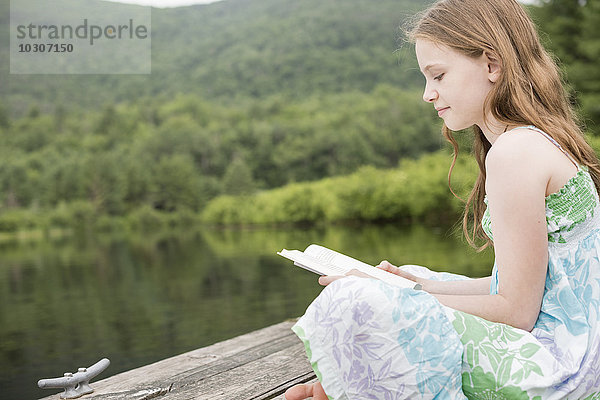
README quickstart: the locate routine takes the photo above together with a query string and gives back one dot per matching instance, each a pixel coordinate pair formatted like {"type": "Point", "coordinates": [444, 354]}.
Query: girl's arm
{"type": "Point", "coordinates": [517, 178]}
{"type": "Point", "coordinates": [463, 287]}
{"type": "Point", "coordinates": [518, 173]}
{"type": "Point", "coordinates": [466, 287]}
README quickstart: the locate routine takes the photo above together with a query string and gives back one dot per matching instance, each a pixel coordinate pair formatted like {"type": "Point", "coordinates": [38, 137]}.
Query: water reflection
{"type": "Point", "coordinates": [66, 304]}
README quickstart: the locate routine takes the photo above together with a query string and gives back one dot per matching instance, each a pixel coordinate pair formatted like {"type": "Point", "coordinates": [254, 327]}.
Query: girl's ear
{"type": "Point", "coordinates": [494, 67]}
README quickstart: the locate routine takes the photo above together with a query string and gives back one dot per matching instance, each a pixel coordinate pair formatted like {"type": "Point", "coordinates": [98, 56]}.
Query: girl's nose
{"type": "Point", "coordinates": [429, 95]}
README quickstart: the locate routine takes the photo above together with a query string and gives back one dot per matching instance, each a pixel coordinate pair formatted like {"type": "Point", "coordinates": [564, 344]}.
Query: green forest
{"type": "Point", "coordinates": [256, 112]}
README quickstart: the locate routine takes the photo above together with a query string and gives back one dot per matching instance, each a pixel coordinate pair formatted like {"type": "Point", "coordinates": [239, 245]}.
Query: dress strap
{"type": "Point", "coordinates": [551, 139]}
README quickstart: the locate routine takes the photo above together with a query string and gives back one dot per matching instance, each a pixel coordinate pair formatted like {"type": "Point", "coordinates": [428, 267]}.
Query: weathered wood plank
{"type": "Point", "coordinates": [260, 365]}
{"type": "Point", "coordinates": [253, 380]}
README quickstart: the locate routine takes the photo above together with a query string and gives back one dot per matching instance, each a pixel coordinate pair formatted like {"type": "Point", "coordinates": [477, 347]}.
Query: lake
{"type": "Point", "coordinates": [67, 303]}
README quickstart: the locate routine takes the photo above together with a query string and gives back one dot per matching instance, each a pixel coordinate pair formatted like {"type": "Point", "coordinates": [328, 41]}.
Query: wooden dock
{"type": "Point", "coordinates": [258, 365]}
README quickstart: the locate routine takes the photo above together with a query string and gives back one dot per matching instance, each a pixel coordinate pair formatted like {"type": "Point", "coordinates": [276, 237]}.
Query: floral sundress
{"type": "Point", "coordinates": [369, 340]}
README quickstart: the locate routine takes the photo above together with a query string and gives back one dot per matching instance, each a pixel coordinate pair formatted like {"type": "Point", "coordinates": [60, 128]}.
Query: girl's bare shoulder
{"type": "Point", "coordinates": [522, 147]}
{"type": "Point", "coordinates": [525, 156]}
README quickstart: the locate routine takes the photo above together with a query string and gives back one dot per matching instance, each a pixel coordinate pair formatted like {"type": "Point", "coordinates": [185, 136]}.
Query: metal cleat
{"type": "Point", "coordinates": [77, 384]}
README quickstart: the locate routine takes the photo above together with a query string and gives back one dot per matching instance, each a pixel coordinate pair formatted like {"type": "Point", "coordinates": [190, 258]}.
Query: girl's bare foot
{"type": "Point", "coordinates": [304, 391]}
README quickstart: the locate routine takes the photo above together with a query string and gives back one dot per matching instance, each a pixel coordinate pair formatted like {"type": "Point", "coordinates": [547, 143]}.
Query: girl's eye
{"type": "Point", "coordinates": [439, 77]}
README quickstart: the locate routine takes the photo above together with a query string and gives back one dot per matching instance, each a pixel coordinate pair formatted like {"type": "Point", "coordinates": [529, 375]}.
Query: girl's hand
{"type": "Point", "coordinates": [327, 279]}
{"type": "Point", "coordinates": [386, 266]}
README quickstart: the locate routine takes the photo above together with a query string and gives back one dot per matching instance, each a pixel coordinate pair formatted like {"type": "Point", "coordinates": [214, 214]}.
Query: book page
{"type": "Point", "coordinates": [312, 264]}
{"type": "Point", "coordinates": [331, 257]}
{"type": "Point", "coordinates": [335, 263]}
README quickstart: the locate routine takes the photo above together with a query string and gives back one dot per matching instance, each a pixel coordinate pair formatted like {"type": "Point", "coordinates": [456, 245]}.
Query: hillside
{"type": "Point", "coordinates": [245, 95]}
{"type": "Point", "coordinates": [241, 49]}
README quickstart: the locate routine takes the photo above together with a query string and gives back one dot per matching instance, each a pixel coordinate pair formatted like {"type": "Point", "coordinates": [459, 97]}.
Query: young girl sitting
{"type": "Point", "coordinates": [531, 329]}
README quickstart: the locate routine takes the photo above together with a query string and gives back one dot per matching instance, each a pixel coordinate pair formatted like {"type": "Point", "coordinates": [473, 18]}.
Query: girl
{"type": "Point", "coordinates": [531, 329]}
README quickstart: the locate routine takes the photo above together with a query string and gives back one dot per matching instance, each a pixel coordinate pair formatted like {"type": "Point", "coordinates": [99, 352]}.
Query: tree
{"type": "Point", "coordinates": [4, 119]}
{"type": "Point", "coordinates": [570, 31]}
{"type": "Point", "coordinates": [238, 178]}
{"type": "Point", "coordinates": [175, 184]}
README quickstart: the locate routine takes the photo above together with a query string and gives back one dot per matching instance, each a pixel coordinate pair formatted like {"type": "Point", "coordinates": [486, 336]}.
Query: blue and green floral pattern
{"type": "Point", "coordinates": [369, 340]}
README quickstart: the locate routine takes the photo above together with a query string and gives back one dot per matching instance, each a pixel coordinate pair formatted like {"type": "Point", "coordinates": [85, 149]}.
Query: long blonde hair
{"type": "Point", "coordinates": [529, 91]}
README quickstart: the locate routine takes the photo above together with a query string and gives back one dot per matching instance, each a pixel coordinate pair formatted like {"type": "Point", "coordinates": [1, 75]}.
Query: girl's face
{"type": "Point", "coordinates": [457, 85]}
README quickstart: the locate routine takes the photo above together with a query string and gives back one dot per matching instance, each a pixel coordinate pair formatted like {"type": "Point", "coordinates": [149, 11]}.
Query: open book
{"type": "Point", "coordinates": [324, 261]}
